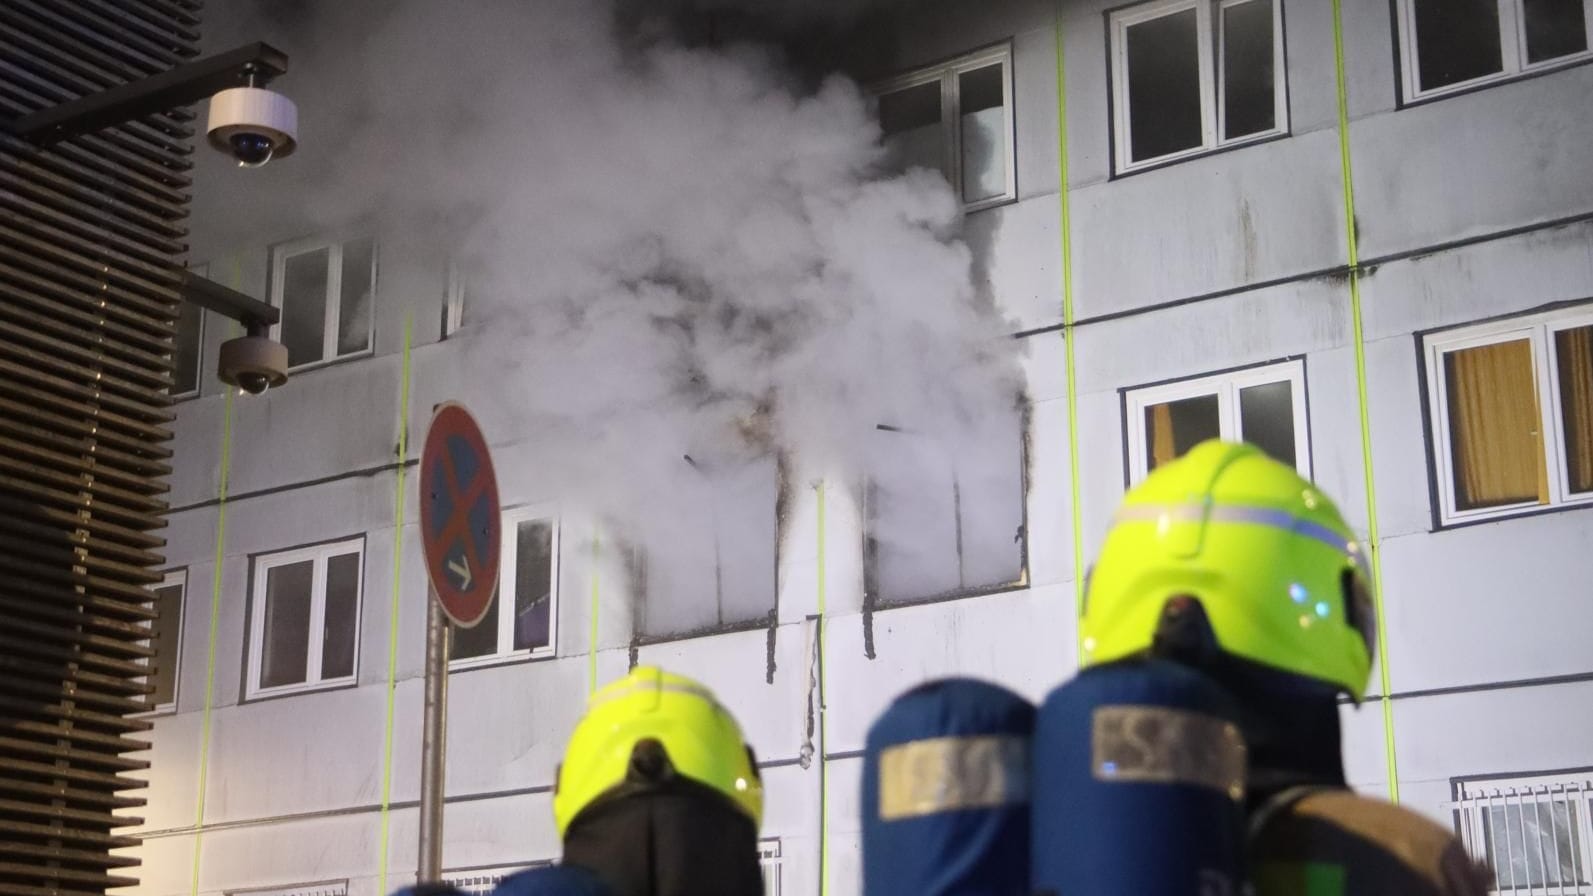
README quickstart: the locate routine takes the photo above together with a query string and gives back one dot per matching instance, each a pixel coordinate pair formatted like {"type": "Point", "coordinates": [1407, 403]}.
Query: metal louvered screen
{"type": "Point", "coordinates": [91, 232]}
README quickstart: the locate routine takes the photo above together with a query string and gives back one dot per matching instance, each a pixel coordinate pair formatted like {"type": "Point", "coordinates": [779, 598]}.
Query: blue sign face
{"type": "Point", "coordinates": [459, 515]}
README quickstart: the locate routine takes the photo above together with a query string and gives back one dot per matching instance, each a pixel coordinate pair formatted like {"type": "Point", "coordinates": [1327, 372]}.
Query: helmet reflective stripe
{"type": "Point", "coordinates": [1260, 516]}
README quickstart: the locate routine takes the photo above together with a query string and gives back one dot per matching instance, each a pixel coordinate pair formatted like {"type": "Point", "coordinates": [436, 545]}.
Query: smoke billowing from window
{"type": "Point", "coordinates": [669, 251]}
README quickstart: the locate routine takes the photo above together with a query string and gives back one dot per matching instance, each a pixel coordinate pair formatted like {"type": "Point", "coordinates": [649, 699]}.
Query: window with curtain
{"type": "Point", "coordinates": [1264, 406]}
{"type": "Point", "coordinates": [1512, 408]}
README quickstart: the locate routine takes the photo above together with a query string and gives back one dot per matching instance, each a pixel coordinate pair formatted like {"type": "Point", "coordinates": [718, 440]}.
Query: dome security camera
{"type": "Point", "coordinates": [253, 363]}
{"type": "Point", "coordinates": [253, 125]}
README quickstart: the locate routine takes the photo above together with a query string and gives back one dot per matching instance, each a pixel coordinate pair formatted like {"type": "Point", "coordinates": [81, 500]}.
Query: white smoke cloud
{"type": "Point", "coordinates": [670, 251]}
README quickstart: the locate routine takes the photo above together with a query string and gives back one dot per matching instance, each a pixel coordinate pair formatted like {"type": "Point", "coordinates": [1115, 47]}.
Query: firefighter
{"type": "Point", "coordinates": [1229, 562]}
{"type": "Point", "coordinates": [659, 794]}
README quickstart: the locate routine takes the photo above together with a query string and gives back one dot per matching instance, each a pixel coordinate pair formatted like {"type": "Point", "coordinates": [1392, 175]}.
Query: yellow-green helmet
{"type": "Point", "coordinates": [699, 737]}
{"type": "Point", "coordinates": [1280, 576]}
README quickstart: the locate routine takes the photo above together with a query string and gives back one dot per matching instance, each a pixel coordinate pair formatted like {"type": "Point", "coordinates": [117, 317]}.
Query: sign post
{"type": "Point", "coordinates": [461, 533]}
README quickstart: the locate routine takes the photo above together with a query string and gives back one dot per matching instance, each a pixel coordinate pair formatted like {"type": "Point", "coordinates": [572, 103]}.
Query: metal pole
{"type": "Point", "coordinates": [433, 745]}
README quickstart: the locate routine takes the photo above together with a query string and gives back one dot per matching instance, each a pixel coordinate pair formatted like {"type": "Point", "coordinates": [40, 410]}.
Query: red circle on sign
{"type": "Point", "coordinates": [460, 522]}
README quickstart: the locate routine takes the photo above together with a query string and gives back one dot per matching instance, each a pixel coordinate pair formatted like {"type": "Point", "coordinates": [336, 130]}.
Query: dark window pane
{"type": "Point", "coordinates": [1248, 77]}
{"type": "Point", "coordinates": [354, 314]}
{"type": "Point", "coordinates": [1573, 350]}
{"type": "Point", "coordinates": [286, 633]}
{"type": "Point", "coordinates": [167, 642]}
{"type": "Point", "coordinates": [1266, 419]}
{"type": "Point", "coordinates": [1496, 454]}
{"type": "Point", "coordinates": [1554, 28]}
{"type": "Point", "coordinates": [1456, 40]}
{"type": "Point", "coordinates": [341, 631]}
{"type": "Point", "coordinates": [304, 306]}
{"type": "Point", "coordinates": [533, 584]}
{"type": "Point", "coordinates": [186, 348]}
{"type": "Point", "coordinates": [984, 133]}
{"type": "Point", "coordinates": [479, 640]}
{"type": "Point", "coordinates": [1163, 86]}
{"type": "Point", "coordinates": [1174, 427]}
{"type": "Point", "coordinates": [911, 121]}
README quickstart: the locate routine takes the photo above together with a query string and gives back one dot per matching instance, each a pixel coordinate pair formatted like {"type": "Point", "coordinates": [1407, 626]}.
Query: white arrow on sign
{"type": "Point", "coordinates": [462, 570]}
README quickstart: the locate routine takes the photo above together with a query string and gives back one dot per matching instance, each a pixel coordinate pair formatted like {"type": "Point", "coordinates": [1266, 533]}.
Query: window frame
{"type": "Point", "coordinates": [1539, 330]}
{"type": "Point", "coordinates": [508, 571]}
{"type": "Point", "coordinates": [1513, 53]}
{"type": "Point", "coordinates": [1471, 796]}
{"type": "Point", "coordinates": [453, 308]}
{"type": "Point", "coordinates": [770, 863]}
{"type": "Point", "coordinates": [946, 74]}
{"type": "Point", "coordinates": [319, 554]}
{"type": "Point", "coordinates": [179, 578]}
{"type": "Point", "coordinates": [332, 315]}
{"type": "Point", "coordinates": [1213, 103]}
{"type": "Point", "coordinates": [1226, 386]}
{"type": "Point", "coordinates": [873, 595]}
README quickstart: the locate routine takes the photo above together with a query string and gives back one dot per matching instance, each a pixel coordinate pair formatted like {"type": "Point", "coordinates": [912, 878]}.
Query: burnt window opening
{"type": "Point", "coordinates": [1190, 76]}
{"type": "Point", "coordinates": [944, 513]}
{"type": "Point", "coordinates": [711, 563]}
{"type": "Point", "coordinates": [1451, 44]}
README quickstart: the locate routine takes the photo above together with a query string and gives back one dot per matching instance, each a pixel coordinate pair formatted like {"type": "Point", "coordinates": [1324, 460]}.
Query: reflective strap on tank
{"type": "Point", "coordinates": [946, 774]}
{"type": "Point", "coordinates": [1257, 516]}
{"type": "Point", "coordinates": [1162, 745]}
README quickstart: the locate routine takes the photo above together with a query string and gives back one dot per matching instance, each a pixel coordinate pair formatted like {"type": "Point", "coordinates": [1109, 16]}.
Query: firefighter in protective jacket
{"type": "Point", "coordinates": [659, 794]}
{"type": "Point", "coordinates": [1229, 562]}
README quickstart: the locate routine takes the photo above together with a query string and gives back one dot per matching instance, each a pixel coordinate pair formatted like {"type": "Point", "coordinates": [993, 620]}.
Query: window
{"type": "Point", "coordinates": [955, 118]}
{"type": "Point", "coordinates": [1190, 76]}
{"type": "Point", "coordinates": [1264, 406]}
{"type": "Point", "coordinates": [326, 292]}
{"type": "Point", "coordinates": [453, 310]}
{"type": "Point", "coordinates": [1450, 45]}
{"type": "Point", "coordinates": [326, 888]}
{"type": "Point", "coordinates": [166, 639]}
{"type": "Point", "coordinates": [711, 565]}
{"type": "Point", "coordinates": [482, 881]}
{"type": "Point", "coordinates": [1512, 415]}
{"type": "Point", "coordinates": [944, 512]}
{"type": "Point", "coordinates": [769, 859]}
{"type": "Point", "coordinates": [188, 345]}
{"type": "Point", "coordinates": [304, 618]}
{"type": "Point", "coordinates": [527, 626]}
{"type": "Point", "coordinates": [1532, 830]}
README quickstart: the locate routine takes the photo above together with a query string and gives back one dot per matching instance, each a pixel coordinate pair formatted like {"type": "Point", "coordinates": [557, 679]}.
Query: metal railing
{"type": "Point", "coordinates": [1534, 833]}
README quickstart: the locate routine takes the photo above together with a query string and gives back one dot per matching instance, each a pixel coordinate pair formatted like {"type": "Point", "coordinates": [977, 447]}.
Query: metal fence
{"type": "Point", "coordinates": [1534, 833]}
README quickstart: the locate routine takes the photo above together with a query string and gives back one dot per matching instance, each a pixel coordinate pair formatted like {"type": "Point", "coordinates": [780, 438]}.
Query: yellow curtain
{"type": "Point", "coordinates": [1574, 349]}
{"type": "Point", "coordinates": [1494, 425]}
{"type": "Point", "coordinates": [1160, 423]}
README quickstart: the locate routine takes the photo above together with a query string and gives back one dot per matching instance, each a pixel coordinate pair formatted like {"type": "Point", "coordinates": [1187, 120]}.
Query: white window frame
{"type": "Point", "coordinates": [321, 888]}
{"type": "Point", "coordinates": [1473, 797]}
{"type": "Point", "coordinates": [946, 74]}
{"type": "Point", "coordinates": [178, 578]}
{"type": "Point", "coordinates": [280, 254]}
{"type": "Point", "coordinates": [481, 881]}
{"type": "Point", "coordinates": [1539, 330]}
{"type": "Point", "coordinates": [1513, 51]}
{"type": "Point", "coordinates": [453, 312]}
{"type": "Point", "coordinates": [508, 573]}
{"type": "Point", "coordinates": [319, 554]}
{"type": "Point", "coordinates": [1213, 111]}
{"type": "Point", "coordinates": [1226, 387]}
{"type": "Point", "coordinates": [769, 862]}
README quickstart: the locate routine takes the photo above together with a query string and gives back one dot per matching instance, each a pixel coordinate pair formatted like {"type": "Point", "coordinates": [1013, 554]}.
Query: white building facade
{"type": "Point", "coordinates": [1160, 184]}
